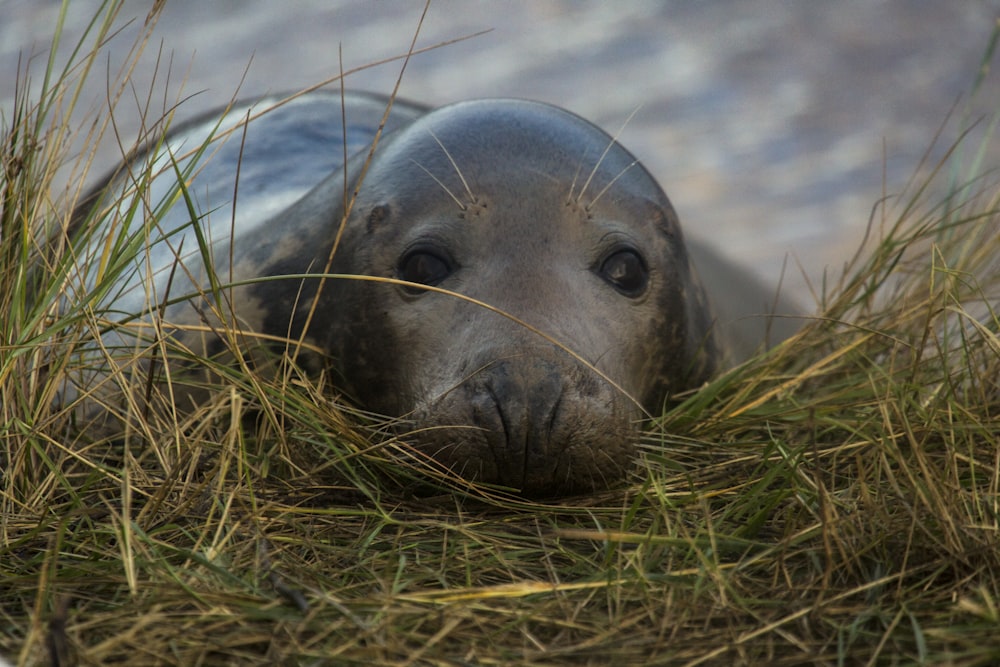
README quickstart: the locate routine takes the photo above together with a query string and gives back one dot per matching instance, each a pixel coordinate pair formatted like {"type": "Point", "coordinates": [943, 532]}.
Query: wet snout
{"type": "Point", "coordinates": [539, 423]}
{"type": "Point", "coordinates": [517, 406]}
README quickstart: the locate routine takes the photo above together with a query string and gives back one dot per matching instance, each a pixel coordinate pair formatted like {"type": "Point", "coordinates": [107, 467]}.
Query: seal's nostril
{"type": "Point", "coordinates": [550, 424]}
{"type": "Point", "coordinates": [498, 411]}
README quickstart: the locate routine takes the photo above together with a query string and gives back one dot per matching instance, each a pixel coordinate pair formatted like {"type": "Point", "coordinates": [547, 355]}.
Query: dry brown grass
{"type": "Point", "coordinates": [832, 502]}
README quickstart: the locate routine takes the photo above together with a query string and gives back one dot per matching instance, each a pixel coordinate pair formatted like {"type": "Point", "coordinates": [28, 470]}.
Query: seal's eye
{"type": "Point", "coordinates": [626, 271]}
{"type": "Point", "coordinates": [424, 267]}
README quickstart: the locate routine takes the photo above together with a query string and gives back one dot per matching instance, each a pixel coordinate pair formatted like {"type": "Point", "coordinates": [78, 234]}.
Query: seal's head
{"type": "Point", "coordinates": [594, 315]}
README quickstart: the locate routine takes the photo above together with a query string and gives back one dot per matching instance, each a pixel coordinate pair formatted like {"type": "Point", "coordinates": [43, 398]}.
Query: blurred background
{"type": "Point", "coordinates": [773, 125]}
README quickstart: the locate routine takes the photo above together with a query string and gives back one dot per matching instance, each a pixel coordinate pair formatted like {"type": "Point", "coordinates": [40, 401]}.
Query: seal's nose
{"type": "Point", "coordinates": [517, 406]}
{"type": "Point", "coordinates": [533, 421]}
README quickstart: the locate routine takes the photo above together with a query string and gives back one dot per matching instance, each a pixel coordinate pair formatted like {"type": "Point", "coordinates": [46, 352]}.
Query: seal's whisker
{"type": "Point", "coordinates": [572, 185]}
{"type": "Point", "coordinates": [444, 187]}
{"type": "Point", "coordinates": [610, 183]}
{"type": "Point", "coordinates": [461, 177]}
{"type": "Point", "coordinates": [607, 149]}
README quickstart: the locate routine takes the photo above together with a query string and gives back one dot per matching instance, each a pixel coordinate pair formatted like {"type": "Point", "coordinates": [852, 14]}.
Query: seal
{"type": "Point", "coordinates": [500, 274]}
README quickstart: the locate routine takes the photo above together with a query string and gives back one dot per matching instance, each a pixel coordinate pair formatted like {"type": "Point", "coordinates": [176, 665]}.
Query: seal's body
{"type": "Point", "coordinates": [524, 294]}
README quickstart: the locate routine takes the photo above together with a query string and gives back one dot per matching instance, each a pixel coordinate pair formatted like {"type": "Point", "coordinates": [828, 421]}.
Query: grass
{"type": "Point", "coordinates": [834, 501]}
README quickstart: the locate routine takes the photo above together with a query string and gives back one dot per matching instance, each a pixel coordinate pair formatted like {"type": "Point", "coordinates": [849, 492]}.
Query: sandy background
{"type": "Point", "coordinates": [769, 123]}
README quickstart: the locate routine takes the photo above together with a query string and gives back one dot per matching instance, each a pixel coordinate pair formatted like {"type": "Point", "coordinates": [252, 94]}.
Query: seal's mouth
{"type": "Point", "coordinates": [539, 427]}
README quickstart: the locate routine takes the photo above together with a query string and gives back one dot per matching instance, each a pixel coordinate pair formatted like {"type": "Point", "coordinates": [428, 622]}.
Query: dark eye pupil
{"type": "Point", "coordinates": [626, 271]}
{"type": "Point", "coordinates": [424, 268]}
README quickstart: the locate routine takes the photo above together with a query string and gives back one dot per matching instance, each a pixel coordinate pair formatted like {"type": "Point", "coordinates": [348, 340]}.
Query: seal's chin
{"type": "Point", "coordinates": [540, 428]}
